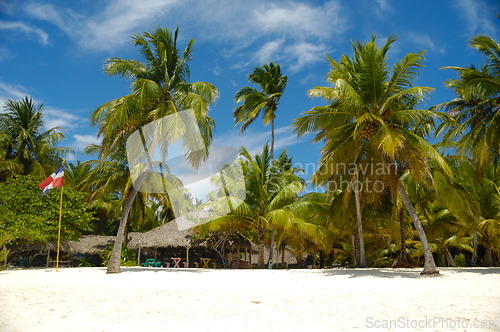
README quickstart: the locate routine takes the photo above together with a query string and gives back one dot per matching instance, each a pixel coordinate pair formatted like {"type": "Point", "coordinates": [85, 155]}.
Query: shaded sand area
{"type": "Point", "coordinates": [152, 299]}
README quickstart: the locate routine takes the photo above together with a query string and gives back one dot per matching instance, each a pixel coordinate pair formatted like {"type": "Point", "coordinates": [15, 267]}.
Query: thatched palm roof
{"type": "Point", "coordinates": [175, 233]}
{"type": "Point", "coordinates": [87, 244]}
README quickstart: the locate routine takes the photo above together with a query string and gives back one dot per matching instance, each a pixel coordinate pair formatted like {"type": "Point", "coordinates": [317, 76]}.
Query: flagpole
{"type": "Point", "coordinates": [59, 232]}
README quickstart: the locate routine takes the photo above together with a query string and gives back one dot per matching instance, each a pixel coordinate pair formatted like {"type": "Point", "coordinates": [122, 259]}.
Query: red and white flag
{"type": "Point", "coordinates": [53, 181]}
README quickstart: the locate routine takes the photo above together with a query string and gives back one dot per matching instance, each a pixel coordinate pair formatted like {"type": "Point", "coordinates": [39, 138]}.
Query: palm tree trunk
{"type": "Point", "coordinates": [449, 258]}
{"type": "Point", "coordinates": [402, 255]}
{"type": "Point", "coordinates": [260, 262]}
{"type": "Point", "coordinates": [115, 258]}
{"type": "Point", "coordinates": [272, 140]}
{"type": "Point", "coordinates": [362, 260]}
{"type": "Point", "coordinates": [283, 257]}
{"type": "Point", "coordinates": [353, 250]}
{"type": "Point", "coordinates": [488, 257]}
{"type": "Point", "coordinates": [271, 249]}
{"type": "Point", "coordinates": [474, 255]}
{"type": "Point", "coordinates": [402, 259]}
{"type": "Point", "coordinates": [272, 161]}
{"type": "Point", "coordinates": [429, 264]}
{"type": "Point", "coordinates": [443, 258]}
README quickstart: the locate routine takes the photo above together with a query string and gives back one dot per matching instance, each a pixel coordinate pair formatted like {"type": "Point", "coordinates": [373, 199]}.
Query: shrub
{"type": "Point", "coordinates": [128, 256]}
{"type": "Point", "coordinates": [460, 260]}
{"type": "Point", "coordinates": [3, 252]}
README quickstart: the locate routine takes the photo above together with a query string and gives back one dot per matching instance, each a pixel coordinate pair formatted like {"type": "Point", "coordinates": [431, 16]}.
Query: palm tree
{"type": "Point", "coordinates": [271, 202]}
{"type": "Point", "coordinates": [372, 111]}
{"type": "Point", "coordinates": [29, 148]}
{"type": "Point", "coordinates": [475, 109]}
{"type": "Point", "coordinates": [445, 230]}
{"type": "Point", "coordinates": [265, 101]}
{"type": "Point", "coordinates": [160, 88]}
{"type": "Point", "coordinates": [487, 195]}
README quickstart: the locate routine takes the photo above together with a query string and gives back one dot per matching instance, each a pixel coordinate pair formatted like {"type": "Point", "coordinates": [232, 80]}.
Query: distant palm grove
{"type": "Point", "coordinates": [405, 185]}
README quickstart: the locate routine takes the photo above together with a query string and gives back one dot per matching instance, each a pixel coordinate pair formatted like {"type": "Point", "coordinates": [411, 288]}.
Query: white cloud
{"type": "Point", "coordinates": [295, 19]}
{"type": "Point", "coordinates": [250, 32]}
{"type": "Point", "coordinates": [4, 53]}
{"type": "Point", "coordinates": [51, 117]}
{"type": "Point", "coordinates": [58, 118]}
{"type": "Point", "coordinates": [268, 51]}
{"type": "Point", "coordinates": [41, 35]}
{"type": "Point", "coordinates": [424, 41]}
{"type": "Point", "coordinates": [81, 141]}
{"type": "Point", "coordinates": [201, 188]}
{"type": "Point", "coordinates": [254, 140]}
{"type": "Point", "coordinates": [305, 53]}
{"type": "Point", "coordinates": [13, 92]}
{"type": "Point", "coordinates": [110, 27]}
{"type": "Point", "coordinates": [476, 14]}
{"type": "Point", "coordinates": [383, 7]}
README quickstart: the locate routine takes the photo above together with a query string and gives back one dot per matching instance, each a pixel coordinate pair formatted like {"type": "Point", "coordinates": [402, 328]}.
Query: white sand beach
{"type": "Point", "coordinates": [153, 299]}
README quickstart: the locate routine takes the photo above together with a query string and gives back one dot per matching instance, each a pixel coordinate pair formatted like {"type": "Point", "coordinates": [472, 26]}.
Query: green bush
{"type": "Point", "coordinates": [460, 260]}
{"type": "Point", "coordinates": [3, 252]}
{"type": "Point", "coordinates": [85, 263]}
{"type": "Point", "coordinates": [128, 256]}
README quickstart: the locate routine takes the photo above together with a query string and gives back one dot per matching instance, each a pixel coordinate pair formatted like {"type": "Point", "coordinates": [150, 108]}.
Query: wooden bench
{"type": "Point", "coordinates": [153, 262]}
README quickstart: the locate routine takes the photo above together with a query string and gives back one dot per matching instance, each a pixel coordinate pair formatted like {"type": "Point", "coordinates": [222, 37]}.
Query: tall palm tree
{"type": "Point", "coordinates": [271, 201]}
{"type": "Point", "coordinates": [32, 149]}
{"type": "Point", "coordinates": [160, 88]}
{"type": "Point", "coordinates": [445, 230]}
{"type": "Point", "coordinates": [486, 193]}
{"type": "Point", "coordinates": [373, 111]}
{"type": "Point", "coordinates": [475, 109]}
{"type": "Point", "coordinates": [263, 102]}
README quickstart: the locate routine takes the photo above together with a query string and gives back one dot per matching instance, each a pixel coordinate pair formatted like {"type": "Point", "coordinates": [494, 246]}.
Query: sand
{"type": "Point", "coordinates": [153, 299]}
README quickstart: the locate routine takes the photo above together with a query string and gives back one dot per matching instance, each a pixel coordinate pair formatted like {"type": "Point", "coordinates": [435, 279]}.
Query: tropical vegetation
{"type": "Point", "coordinates": [404, 184]}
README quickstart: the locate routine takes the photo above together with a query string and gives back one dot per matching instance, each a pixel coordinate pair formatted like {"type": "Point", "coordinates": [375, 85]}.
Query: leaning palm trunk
{"type": "Point", "coordinates": [449, 258]}
{"type": "Point", "coordinates": [402, 254]}
{"type": "Point", "coordinates": [429, 264]}
{"type": "Point", "coordinates": [362, 260]}
{"type": "Point", "coordinates": [115, 258]}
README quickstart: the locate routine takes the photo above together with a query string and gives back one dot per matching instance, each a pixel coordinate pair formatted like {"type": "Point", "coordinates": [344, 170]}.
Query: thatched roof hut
{"type": "Point", "coordinates": [175, 233]}
{"type": "Point", "coordinates": [87, 244]}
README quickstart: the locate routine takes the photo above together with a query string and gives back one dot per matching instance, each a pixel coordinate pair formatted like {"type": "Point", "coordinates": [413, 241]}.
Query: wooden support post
{"type": "Point", "coordinates": [238, 257]}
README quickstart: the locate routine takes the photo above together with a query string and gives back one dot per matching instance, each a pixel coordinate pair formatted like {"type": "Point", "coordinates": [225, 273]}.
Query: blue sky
{"type": "Point", "coordinates": [53, 51]}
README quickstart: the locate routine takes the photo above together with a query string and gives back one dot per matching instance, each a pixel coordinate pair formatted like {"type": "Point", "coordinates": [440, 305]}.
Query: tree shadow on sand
{"type": "Point", "coordinates": [407, 273]}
